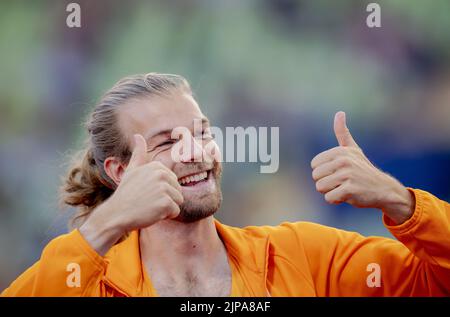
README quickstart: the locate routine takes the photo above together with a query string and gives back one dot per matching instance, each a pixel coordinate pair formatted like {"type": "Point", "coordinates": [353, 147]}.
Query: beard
{"type": "Point", "coordinates": [204, 204]}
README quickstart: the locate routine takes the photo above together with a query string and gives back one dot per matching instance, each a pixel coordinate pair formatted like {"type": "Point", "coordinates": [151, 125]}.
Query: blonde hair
{"type": "Point", "coordinates": [86, 184]}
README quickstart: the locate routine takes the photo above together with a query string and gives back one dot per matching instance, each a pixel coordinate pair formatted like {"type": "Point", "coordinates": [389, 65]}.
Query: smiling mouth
{"type": "Point", "coordinates": [194, 179]}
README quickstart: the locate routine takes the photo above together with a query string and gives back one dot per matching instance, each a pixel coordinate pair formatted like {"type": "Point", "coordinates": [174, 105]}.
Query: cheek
{"type": "Point", "coordinates": [164, 156]}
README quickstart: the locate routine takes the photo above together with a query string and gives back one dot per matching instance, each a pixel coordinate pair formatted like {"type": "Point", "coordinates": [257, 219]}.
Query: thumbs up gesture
{"type": "Point", "coordinates": [344, 174]}
{"type": "Point", "coordinates": [147, 193]}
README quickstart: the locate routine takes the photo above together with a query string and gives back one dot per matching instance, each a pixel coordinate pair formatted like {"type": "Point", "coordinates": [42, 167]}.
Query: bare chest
{"type": "Point", "coordinates": [194, 285]}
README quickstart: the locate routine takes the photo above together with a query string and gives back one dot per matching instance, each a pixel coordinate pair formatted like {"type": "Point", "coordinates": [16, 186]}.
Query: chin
{"type": "Point", "coordinates": [198, 210]}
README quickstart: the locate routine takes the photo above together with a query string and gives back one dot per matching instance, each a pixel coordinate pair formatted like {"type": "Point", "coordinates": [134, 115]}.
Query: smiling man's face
{"type": "Point", "coordinates": [199, 174]}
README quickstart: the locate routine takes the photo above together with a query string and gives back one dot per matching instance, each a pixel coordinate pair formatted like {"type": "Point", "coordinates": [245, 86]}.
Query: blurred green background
{"type": "Point", "coordinates": [285, 63]}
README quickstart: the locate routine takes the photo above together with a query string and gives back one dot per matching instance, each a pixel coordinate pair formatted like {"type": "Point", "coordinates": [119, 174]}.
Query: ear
{"type": "Point", "coordinates": [114, 168]}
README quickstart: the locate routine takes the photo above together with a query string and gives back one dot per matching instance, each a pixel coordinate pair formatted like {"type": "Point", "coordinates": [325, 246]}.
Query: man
{"type": "Point", "coordinates": [145, 225]}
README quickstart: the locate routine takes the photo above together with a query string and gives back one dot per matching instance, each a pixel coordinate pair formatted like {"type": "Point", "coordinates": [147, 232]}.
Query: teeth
{"type": "Point", "coordinates": [193, 178]}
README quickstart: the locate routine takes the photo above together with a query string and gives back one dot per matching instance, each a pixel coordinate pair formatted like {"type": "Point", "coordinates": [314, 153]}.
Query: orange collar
{"type": "Point", "coordinates": [250, 251]}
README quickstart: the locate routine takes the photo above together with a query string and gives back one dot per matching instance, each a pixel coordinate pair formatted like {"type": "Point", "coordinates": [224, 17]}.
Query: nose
{"type": "Point", "coordinates": [192, 151]}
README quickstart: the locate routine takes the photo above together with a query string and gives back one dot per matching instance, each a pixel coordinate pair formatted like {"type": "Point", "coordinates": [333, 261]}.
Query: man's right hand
{"type": "Point", "coordinates": [147, 193]}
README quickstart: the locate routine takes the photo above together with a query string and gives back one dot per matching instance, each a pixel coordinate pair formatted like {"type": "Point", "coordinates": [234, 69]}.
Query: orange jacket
{"type": "Point", "coordinates": [292, 259]}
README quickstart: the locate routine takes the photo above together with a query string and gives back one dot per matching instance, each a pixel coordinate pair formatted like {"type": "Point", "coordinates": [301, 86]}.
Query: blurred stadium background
{"type": "Point", "coordinates": [284, 63]}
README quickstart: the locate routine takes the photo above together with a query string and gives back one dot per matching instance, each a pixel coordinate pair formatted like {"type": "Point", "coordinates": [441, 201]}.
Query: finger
{"type": "Point", "coordinates": [176, 210]}
{"type": "Point", "coordinates": [325, 169]}
{"type": "Point", "coordinates": [139, 155]}
{"type": "Point", "coordinates": [173, 181]}
{"type": "Point", "coordinates": [175, 194]}
{"type": "Point", "coordinates": [337, 195]}
{"type": "Point", "coordinates": [341, 131]}
{"type": "Point", "coordinates": [330, 182]}
{"type": "Point", "coordinates": [167, 171]}
{"type": "Point", "coordinates": [326, 156]}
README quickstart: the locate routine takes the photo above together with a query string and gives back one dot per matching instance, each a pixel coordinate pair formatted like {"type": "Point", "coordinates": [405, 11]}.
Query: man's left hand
{"type": "Point", "coordinates": [344, 174]}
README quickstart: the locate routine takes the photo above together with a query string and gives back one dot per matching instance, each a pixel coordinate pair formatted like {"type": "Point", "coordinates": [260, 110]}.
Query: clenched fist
{"type": "Point", "coordinates": [344, 174]}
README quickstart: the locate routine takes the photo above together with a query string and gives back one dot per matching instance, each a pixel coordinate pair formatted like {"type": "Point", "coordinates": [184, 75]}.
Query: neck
{"type": "Point", "coordinates": [179, 247]}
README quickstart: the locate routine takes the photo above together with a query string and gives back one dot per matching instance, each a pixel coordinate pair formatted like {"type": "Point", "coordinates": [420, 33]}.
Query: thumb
{"type": "Point", "coordinates": [341, 131]}
{"type": "Point", "coordinates": [138, 157]}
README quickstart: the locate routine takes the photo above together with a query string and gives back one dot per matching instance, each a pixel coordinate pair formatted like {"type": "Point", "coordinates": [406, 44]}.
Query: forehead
{"type": "Point", "coordinates": [151, 114]}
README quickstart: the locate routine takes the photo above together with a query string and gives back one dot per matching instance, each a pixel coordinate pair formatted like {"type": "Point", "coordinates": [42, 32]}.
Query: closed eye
{"type": "Point", "coordinates": [168, 142]}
